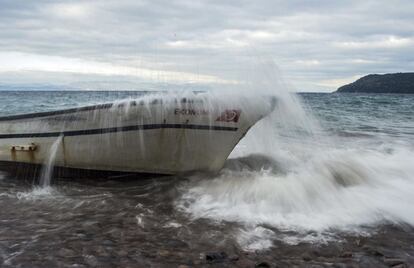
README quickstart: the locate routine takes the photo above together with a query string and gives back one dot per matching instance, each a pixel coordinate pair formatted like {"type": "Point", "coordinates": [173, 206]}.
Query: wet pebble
{"type": "Point", "coordinates": [175, 243]}
{"type": "Point", "coordinates": [400, 266]}
{"type": "Point", "coordinates": [164, 253]}
{"type": "Point", "coordinates": [346, 254]}
{"type": "Point", "coordinates": [91, 260]}
{"type": "Point", "coordinates": [373, 251]}
{"type": "Point", "coordinates": [107, 243]}
{"type": "Point", "coordinates": [262, 264]}
{"type": "Point", "coordinates": [65, 252]}
{"type": "Point", "coordinates": [245, 263]}
{"type": "Point", "coordinates": [369, 261]}
{"type": "Point", "coordinates": [122, 253]}
{"type": "Point", "coordinates": [213, 257]}
{"type": "Point", "coordinates": [394, 261]}
{"type": "Point", "coordinates": [101, 251]}
{"type": "Point", "coordinates": [306, 256]}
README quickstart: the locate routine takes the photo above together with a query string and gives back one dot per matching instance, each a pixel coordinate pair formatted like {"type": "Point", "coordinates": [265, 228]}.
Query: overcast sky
{"type": "Point", "coordinates": [317, 45]}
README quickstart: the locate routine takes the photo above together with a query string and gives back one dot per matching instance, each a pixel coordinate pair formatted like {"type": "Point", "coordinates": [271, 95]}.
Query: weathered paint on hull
{"type": "Point", "coordinates": [158, 138]}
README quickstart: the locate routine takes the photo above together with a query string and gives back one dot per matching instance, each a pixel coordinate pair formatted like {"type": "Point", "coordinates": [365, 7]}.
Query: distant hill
{"type": "Point", "coordinates": [401, 83]}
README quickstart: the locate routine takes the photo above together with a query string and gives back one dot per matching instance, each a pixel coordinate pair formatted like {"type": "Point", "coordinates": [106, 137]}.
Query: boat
{"type": "Point", "coordinates": [151, 134]}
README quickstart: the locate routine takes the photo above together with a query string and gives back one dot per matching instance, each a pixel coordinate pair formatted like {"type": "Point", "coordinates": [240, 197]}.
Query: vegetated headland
{"type": "Point", "coordinates": [398, 83]}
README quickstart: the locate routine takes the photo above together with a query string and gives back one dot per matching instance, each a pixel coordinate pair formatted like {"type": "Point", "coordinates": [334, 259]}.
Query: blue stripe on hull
{"type": "Point", "coordinates": [115, 129]}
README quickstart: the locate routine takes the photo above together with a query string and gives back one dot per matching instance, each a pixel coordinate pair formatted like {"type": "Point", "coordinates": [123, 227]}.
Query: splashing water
{"type": "Point", "coordinates": [38, 193]}
{"type": "Point", "coordinates": [47, 170]}
{"type": "Point", "coordinates": [290, 175]}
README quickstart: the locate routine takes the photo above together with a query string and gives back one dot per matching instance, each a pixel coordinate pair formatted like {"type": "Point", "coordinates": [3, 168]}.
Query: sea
{"type": "Point", "coordinates": [326, 180]}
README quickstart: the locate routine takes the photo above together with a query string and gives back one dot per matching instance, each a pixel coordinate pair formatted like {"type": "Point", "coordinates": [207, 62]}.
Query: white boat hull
{"type": "Point", "coordinates": [154, 136]}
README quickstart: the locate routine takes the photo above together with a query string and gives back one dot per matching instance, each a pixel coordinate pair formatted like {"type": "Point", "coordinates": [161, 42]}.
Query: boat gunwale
{"type": "Point", "coordinates": [81, 109]}
{"type": "Point", "coordinates": [57, 112]}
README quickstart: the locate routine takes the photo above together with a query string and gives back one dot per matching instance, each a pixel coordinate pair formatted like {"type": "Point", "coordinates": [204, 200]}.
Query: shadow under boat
{"type": "Point", "coordinates": [32, 172]}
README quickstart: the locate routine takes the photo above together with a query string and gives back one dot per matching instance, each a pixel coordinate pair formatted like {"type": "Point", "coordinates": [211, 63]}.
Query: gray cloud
{"type": "Point", "coordinates": [317, 44]}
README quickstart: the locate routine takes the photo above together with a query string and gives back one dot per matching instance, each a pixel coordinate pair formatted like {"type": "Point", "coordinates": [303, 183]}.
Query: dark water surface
{"type": "Point", "coordinates": [340, 196]}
